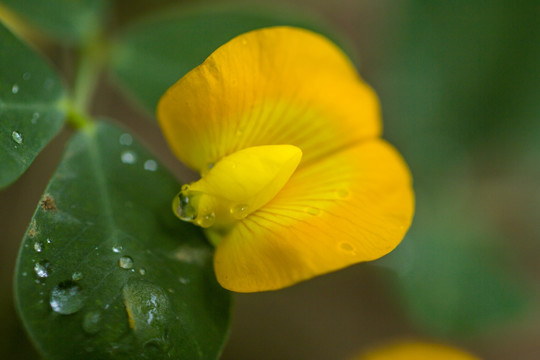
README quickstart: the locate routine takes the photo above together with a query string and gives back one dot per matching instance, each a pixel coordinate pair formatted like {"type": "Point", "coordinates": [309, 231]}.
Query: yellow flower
{"type": "Point", "coordinates": [412, 350]}
{"type": "Point", "coordinates": [295, 179]}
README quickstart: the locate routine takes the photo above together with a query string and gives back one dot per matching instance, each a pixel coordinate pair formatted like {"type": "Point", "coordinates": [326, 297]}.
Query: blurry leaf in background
{"type": "Point", "coordinates": [68, 21]}
{"type": "Point", "coordinates": [458, 74]}
{"type": "Point", "coordinates": [454, 276]}
{"type": "Point", "coordinates": [153, 54]}
{"type": "Point", "coordinates": [30, 106]}
{"type": "Point", "coordinates": [106, 271]}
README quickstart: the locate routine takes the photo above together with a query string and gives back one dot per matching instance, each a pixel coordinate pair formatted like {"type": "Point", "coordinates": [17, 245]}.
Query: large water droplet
{"type": "Point", "coordinates": [67, 298]}
{"type": "Point", "coordinates": [117, 248]}
{"type": "Point", "coordinates": [38, 246]}
{"type": "Point", "coordinates": [147, 306]}
{"type": "Point", "coordinates": [206, 220]}
{"type": "Point", "coordinates": [239, 211]}
{"type": "Point", "coordinates": [125, 262]}
{"type": "Point", "coordinates": [15, 89]}
{"type": "Point", "coordinates": [17, 137]}
{"type": "Point", "coordinates": [92, 322]}
{"type": "Point", "coordinates": [150, 165]}
{"type": "Point", "coordinates": [77, 276]}
{"type": "Point", "coordinates": [42, 269]}
{"type": "Point", "coordinates": [125, 139]}
{"type": "Point", "coordinates": [183, 205]}
{"type": "Point", "coordinates": [128, 157]}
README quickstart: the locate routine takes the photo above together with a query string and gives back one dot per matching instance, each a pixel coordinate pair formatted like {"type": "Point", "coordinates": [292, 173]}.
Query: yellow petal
{"type": "Point", "coordinates": [271, 86]}
{"type": "Point", "coordinates": [416, 351]}
{"type": "Point", "coordinates": [237, 185]}
{"type": "Point", "coordinates": [353, 206]}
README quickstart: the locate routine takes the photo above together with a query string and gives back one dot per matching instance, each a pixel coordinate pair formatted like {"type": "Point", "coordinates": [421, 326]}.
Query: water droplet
{"type": "Point", "coordinates": [92, 322]}
{"type": "Point", "coordinates": [15, 89]}
{"type": "Point", "coordinates": [207, 220]}
{"type": "Point", "coordinates": [26, 76]}
{"type": "Point", "coordinates": [117, 248]}
{"type": "Point", "coordinates": [183, 205]}
{"type": "Point", "coordinates": [35, 117]}
{"type": "Point", "coordinates": [313, 211]}
{"type": "Point", "coordinates": [38, 246]}
{"type": "Point", "coordinates": [67, 298]}
{"type": "Point", "coordinates": [239, 211]}
{"type": "Point", "coordinates": [125, 139]}
{"type": "Point", "coordinates": [42, 269]}
{"type": "Point", "coordinates": [77, 276]}
{"type": "Point", "coordinates": [147, 306]}
{"type": "Point", "coordinates": [142, 271]}
{"type": "Point", "coordinates": [346, 246]}
{"type": "Point", "coordinates": [125, 262]}
{"type": "Point", "coordinates": [343, 193]}
{"type": "Point", "coordinates": [128, 157]}
{"type": "Point", "coordinates": [17, 137]}
{"type": "Point", "coordinates": [150, 165]}
{"type": "Point", "coordinates": [48, 241]}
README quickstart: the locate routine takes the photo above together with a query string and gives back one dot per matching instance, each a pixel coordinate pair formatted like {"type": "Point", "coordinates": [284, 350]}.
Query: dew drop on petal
{"type": "Point", "coordinates": [17, 137]}
{"type": "Point", "coordinates": [38, 246]}
{"type": "Point", "coordinates": [15, 89]}
{"type": "Point", "coordinates": [125, 262]}
{"type": "Point", "coordinates": [42, 269]}
{"type": "Point", "coordinates": [206, 220]}
{"type": "Point", "coordinates": [239, 211]}
{"type": "Point", "coordinates": [67, 298]}
{"type": "Point", "coordinates": [150, 165]}
{"type": "Point", "coordinates": [128, 157]}
{"type": "Point", "coordinates": [125, 139]}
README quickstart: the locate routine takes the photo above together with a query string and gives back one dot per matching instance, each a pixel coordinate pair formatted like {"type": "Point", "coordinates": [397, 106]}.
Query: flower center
{"type": "Point", "coordinates": [236, 186]}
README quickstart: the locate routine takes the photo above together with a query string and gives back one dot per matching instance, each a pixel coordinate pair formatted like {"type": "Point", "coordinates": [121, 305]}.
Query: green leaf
{"type": "Point", "coordinates": [106, 271]}
{"type": "Point", "coordinates": [30, 106]}
{"type": "Point", "coordinates": [152, 55]}
{"type": "Point", "coordinates": [67, 20]}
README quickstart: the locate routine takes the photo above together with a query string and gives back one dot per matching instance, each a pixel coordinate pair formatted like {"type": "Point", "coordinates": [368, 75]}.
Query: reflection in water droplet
{"type": "Point", "coordinates": [38, 246]}
{"type": "Point", "coordinates": [147, 306]}
{"type": "Point", "coordinates": [125, 262]}
{"type": "Point", "coordinates": [77, 276]}
{"type": "Point", "coordinates": [313, 211]}
{"type": "Point", "coordinates": [92, 322]}
{"type": "Point", "coordinates": [206, 220]}
{"type": "Point", "coordinates": [239, 211]}
{"type": "Point", "coordinates": [128, 157]}
{"type": "Point", "coordinates": [150, 165]}
{"type": "Point", "coordinates": [183, 204]}
{"type": "Point", "coordinates": [125, 139]}
{"type": "Point", "coordinates": [67, 298]}
{"type": "Point", "coordinates": [17, 137]}
{"type": "Point", "coordinates": [42, 269]}
{"type": "Point", "coordinates": [117, 248]}
{"type": "Point", "coordinates": [15, 89]}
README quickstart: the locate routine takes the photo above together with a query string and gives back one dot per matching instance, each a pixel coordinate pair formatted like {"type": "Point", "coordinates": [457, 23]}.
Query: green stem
{"type": "Point", "coordinates": [86, 79]}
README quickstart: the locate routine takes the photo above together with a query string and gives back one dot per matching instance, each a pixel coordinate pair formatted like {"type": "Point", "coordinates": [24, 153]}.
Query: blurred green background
{"type": "Point", "coordinates": [459, 83]}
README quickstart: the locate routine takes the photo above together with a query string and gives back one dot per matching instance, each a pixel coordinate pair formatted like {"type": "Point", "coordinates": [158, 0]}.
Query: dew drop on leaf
{"type": "Point", "coordinates": [15, 89]}
{"type": "Point", "coordinates": [38, 246]}
{"type": "Point", "coordinates": [128, 157]}
{"type": "Point", "coordinates": [42, 269]}
{"type": "Point", "coordinates": [117, 248]}
{"type": "Point", "coordinates": [77, 276]}
{"type": "Point", "coordinates": [92, 322]}
{"type": "Point", "coordinates": [67, 298]}
{"type": "Point", "coordinates": [150, 165]}
{"type": "Point", "coordinates": [125, 262]}
{"type": "Point", "coordinates": [17, 137]}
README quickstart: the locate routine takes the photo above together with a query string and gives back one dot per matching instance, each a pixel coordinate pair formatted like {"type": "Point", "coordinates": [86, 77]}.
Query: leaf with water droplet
{"type": "Point", "coordinates": [130, 256]}
{"type": "Point", "coordinates": [21, 97]}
